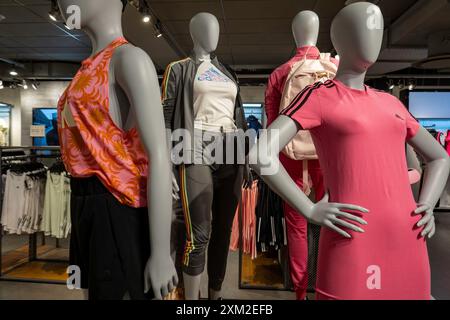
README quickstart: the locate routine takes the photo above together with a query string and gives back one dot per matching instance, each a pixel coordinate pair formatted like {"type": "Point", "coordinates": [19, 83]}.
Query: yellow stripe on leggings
{"type": "Point", "coordinates": [187, 216]}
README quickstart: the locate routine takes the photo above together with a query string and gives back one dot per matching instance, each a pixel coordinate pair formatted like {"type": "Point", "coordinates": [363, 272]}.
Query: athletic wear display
{"type": "Point", "coordinates": [297, 225]}
{"type": "Point", "coordinates": [91, 143]}
{"type": "Point", "coordinates": [350, 129]}
{"type": "Point", "coordinates": [178, 96]}
{"type": "Point", "coordinates": [209, 195]}
{"type": "Point", "coordinates": [109, 242]}
{"type": "Point", "coordinates": [302, 74]}
{"type": "Point", "coordinates": [23, 200]}
{"type": "Point", "coordinates": [306, 174]}
{"type": "Point", "coordinates": [214, 99]}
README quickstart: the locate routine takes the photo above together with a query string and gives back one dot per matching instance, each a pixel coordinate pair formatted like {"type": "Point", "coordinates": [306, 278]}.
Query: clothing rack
{"type": "Point", "coordinates": [33, 153]}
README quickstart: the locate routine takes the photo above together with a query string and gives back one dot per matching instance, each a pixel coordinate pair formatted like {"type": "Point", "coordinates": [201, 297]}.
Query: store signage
{"type": "Point", "coordinates": [37, 131]}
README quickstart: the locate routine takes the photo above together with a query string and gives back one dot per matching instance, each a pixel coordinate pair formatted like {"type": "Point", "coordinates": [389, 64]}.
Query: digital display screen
{"type": "Point", "coordinates": [47, 117]}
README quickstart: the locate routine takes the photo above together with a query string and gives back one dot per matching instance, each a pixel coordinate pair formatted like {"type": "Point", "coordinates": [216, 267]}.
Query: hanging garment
{"type": "Point", "coordinates": [350, 128]}
{"type": "Point", "coordinates": [270, 223]}
{"type": "Point", "coordinates": [14, 202]}
{"type": "Point", "coordinates": [56, 216]}
{"type": "Point", "coordinates": [253, 123]}
{"type": "Point", "coordinates": [22, 203]}
{"type": "Point", "coordinates": [247, 206]}
{"type": "Point", "coordinates": [91, 143]}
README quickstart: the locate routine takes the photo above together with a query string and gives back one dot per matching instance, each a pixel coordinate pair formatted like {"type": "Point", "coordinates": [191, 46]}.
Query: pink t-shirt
{"type": "Point", "coordinates": [360, 139]}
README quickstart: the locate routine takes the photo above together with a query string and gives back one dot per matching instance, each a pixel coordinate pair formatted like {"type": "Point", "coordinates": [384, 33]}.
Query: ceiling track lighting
{"type": "Point", "coordinates": [54, 13]}
{"type": "Point", "coordinates": [144, 9]}
{"type": "Point", "coordinates": [157, 29]}
{"type": "Point", "coordinates": [391, 85]}
{"type": "Point", "coordinates": [13, 73]}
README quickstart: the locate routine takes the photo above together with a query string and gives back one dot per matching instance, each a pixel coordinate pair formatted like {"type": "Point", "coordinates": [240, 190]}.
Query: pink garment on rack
{"type": "Point", "coordinates": [248, 207]}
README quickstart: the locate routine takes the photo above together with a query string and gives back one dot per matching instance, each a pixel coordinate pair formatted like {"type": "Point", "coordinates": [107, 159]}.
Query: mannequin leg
{"type": "Point", "coordinates": [192, 286]}
{"type": "Point", "coordinates": [297, 233]}
{"type": "Point", "coordinates": [196, 193]}
{"type": "Point", "coordinates": [227, 192]}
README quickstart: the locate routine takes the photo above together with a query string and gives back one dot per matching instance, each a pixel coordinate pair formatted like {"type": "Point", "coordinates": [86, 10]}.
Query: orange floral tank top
{"type": "Point", "coordinates": [91, 143]}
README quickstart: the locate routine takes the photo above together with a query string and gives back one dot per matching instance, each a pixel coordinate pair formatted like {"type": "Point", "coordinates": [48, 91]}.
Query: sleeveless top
{"type": "Point", "coordinates": [91, 143]}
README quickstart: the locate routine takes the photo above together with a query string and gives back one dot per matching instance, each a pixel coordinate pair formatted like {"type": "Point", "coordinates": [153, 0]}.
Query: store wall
{"type": "Point", "coordinates": [12, 97]}
{"type": "Point", "coordinates": [46, 96]}
{"type": "Point", "coordinates": [253, 94]}
{"type": "Point", "coordinates": [24, 101]}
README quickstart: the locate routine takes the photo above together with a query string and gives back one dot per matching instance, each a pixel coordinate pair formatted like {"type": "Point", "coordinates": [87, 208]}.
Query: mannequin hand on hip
{"type": "Point", "coordinates": [330, 215]}
{"type": "Point", "coordinates": [175, 187]}
{"type": "Point", "coordinates": [160, 276]}
{"type": "Point", "coordinates": [427, 221]}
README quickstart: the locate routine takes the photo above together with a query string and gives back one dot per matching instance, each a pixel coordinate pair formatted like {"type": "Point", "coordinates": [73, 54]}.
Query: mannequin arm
{"type": "Point", "coordinates": [435, 177]}
{"type": "Point", "coordinates": [264, 159]}
{"type": "Point", "coordinates": [137, 76]}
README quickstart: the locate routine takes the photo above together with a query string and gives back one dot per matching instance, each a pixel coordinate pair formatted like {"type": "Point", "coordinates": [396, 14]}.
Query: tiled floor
{"type": "Point", "coordinates": [439, 251]}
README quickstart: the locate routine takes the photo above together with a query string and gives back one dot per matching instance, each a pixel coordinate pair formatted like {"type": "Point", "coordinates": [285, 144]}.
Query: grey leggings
{"type": "Point", "coordinates": [209, 195]}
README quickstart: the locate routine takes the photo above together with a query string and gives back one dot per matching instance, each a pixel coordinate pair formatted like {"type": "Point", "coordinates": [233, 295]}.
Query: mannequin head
{"type": "Point", "coordinates": [305, 28]}
{"type": "Point", "coordinates": [92, 10]}
{"type": "Point", "coordinates": [205, 31]}
{"type": "Point", "coordinates": [357, 35]}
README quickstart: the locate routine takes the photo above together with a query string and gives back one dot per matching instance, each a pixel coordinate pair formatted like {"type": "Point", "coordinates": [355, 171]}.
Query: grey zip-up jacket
{"type": "Point", "coordinates": [178, 94]}
{"type": "Point", "coordinates": [178, 100]}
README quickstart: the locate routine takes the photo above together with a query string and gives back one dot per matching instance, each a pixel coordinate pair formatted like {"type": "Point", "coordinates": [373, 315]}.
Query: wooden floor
{"type": "Point", "coordinates": [15, 264]}
{"type": "Point", "coordinates": [263, 271]}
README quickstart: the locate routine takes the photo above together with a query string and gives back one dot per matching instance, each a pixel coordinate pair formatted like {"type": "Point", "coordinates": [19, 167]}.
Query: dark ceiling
{"type": "Point", "coordinates": [255, 34]}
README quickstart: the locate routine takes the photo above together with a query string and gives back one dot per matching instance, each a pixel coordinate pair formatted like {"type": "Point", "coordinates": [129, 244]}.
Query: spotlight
{"type": "Point", "coordinates": [13, 73]}
{"type": "Point", "coordinates": [391, 85]}
{"type": "Point", "coordinates": [24, 85]}
{"type": "Point", "coordinates": [54, 11]}
{"type": "Point", "coordinates": [411, 85]}
{"type": "Point", "coordinates": [34, 86]}
{"type": "Point", "coordinates": [52, 16]}
{"type": "Point", "coordinates": [145, 11]}
{"type": "Point", "coordinates": [157, 29]}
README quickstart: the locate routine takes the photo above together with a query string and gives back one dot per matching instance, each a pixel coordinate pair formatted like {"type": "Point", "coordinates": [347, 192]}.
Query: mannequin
{"type": "Point", "coordinates": [134, 102]}
{"type": "Point", "coordinates": [305, 29]}
{"type": "Point", "coordinates": [201, 96]}
{"type": "Point", "coordinates": [358, 47]}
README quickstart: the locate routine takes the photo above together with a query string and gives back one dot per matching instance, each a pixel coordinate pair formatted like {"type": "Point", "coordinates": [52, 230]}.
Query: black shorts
{"type": "Point", "coordinates": [109, 242]}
